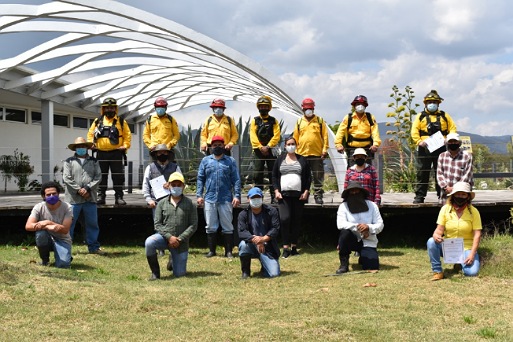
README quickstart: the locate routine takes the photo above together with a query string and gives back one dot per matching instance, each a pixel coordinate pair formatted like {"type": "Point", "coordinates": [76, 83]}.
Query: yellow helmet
{"type": "Point", "coordinates": [433, 96]}
{"type": "Point", "coordinates": [265, 100]}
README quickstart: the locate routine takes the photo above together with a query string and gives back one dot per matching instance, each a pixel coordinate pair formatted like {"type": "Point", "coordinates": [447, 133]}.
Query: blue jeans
{"type": "Point", "coordinates": [158, 242]}
{"type": "Point", "coordinates": [219, 214]}
{"type": "Point", "coordinates": [92, 229]}
{"type": "Point", "coordinates": [61, 249]}
{"type": "Point", "coordinates": [435, 253]}
{"type": "Point", "coordinates": [270, 266]}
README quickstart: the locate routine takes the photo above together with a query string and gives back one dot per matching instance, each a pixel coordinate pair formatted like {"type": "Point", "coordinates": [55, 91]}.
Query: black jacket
{"type": "Point", "coordinates": [272, 223]}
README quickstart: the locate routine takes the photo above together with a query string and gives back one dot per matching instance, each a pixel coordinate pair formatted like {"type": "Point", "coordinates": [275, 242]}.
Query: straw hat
{"type": "Point", "coordinates": [80, 141]}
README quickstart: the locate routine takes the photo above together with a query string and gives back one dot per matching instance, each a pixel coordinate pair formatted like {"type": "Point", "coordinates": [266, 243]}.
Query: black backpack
{"type": "Point", "coordinates": [265, 130]}
{"type": "Point", "coordinates": [433, 127]}
{"type": "Point", "coordinates": [350, 138]}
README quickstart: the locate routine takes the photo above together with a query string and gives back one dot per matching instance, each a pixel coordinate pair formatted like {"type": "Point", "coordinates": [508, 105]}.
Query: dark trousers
{"type": "Point", "coordinates": [347, 242]}
{"type": "Point", "coordinates": [350, 152]}
{"type": "Point", "coordinates": [291, 212]}
{"type": "Point", "coordinates": [260, 163]}
{"type": "Point", "coordinates": [317, 166]}
{"type": "Point", "coordinates": [425, 163]}
{"type": "Point", "coordinates": [112, 160]}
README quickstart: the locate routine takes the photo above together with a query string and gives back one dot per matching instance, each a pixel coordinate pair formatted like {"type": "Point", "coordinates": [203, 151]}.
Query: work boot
{"type": "Point", "coordinates": [228, 245]}
{"type": "Point", "coordinates": [344, 264]}
{"type": "Point", "coordinates": [44, 254]}
{"type": "Point", "coordinates": [169, 266]}
{"type": "Point", "coordinates": [212, 243]}
{"type": "Point", "coordinates": [318, 199]}
{"type": "Point", "coordinates": [153, 262]}
{"type": "Point", "coordinates": [101, 198]}
{"type": "Point", "coordinates": [245, 265]}
{"type": "Point", "coordinates": [418, 200]}
{"type": "Point", "coordinates": [437, 276]}
{"type": "Point", "coordinates": [120, 201]}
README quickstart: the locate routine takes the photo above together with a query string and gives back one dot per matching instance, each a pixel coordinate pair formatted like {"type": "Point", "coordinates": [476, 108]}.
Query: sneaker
{"type": "Point", "coordinates": [99, 251]}
{"type": "Point", "coordinates": [294, 251]}
{"type": "Point", "coordinates": [418, 200]}
{"type": "Point", "coordinates": [286, 253]}
{"type": "Point", "coordinates": [101, 201]}
{"type": "Point", "coordinates": [437, 276]}
{"type": "Point", "coordinates": [120, 201]}
{"type": "Point", "coordinates": [210, 254]}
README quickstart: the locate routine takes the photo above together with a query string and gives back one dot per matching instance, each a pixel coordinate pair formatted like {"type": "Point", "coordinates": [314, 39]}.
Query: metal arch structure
{"type": "Point", "coordinates": [105, 48]}
{"type": "Point", "coordinates": [112, 49]}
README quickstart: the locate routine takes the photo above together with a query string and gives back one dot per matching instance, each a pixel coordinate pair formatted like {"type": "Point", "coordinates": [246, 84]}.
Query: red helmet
{"type": "Point", "coordinates": [360, 99]}
{"type": "Point", "coordinates": [308, 103]}
{"type": "Point", "coordinates": [160, 102]}
{"type": "Point", "coordinates": [218, 103]}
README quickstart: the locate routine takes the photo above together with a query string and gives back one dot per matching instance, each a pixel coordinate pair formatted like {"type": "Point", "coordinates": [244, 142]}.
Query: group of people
{"type": "Point", "coordinates": [218, 188]}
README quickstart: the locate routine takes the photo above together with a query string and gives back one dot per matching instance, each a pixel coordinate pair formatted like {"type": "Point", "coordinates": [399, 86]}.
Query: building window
{"type": "Point", "coordinates": [1, 113]}
{"type": "Point", "coordinates": [36, 117]}
{"type": "Point", "coordinates": [132, 127]}
{"type": "Point", "coordinates": [61, 120]}
{"type": "Point", "coordinates": [80, 122]}
{"type": "Point", "coordinates": [18, 115]}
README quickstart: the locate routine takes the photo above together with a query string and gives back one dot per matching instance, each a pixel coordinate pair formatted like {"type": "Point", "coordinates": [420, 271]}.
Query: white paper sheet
{"type": "Point", "coordinates": [435, 141]}
{"type": "Point", "coordinates": [453, 251]}
{"type": "Point", "coordinates": [157, 185]}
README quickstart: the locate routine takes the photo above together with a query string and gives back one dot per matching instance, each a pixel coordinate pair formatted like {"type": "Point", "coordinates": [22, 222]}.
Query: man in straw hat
{"type": "Point", "coordinates": [81, 177]}
{"type": "Point", "coordinates": [359, 222]}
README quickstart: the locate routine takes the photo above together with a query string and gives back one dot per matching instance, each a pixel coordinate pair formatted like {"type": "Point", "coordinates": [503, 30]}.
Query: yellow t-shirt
{"type": "Point", "coordinates": [460, 227]}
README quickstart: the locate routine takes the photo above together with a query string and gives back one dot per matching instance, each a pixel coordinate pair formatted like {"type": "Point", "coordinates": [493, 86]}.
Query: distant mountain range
{"type": "Point", "coordinates": [496, 144]}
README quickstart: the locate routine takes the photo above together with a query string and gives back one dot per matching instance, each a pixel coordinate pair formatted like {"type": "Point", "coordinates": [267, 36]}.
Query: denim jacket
{"type": "Point", "coordinates": [218, 177]}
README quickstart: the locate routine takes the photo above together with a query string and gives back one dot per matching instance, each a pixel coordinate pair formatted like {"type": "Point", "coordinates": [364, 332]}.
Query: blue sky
{"type": "Point", "coordinates": [333, 50]}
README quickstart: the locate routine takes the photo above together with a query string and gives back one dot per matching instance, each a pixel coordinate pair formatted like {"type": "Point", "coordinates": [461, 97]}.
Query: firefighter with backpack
{"type": "Point", "coordinates": [265, 136]}
{"type": "Point", "coordinates": [358, 129]}
{"type": "Point", "coordinates": [218, 124]}
{"type": "Point", "coordinates": [111, 138]}
{"type": "Point", "coordinates": [431, 121]}
{"type": "Point", "coordinates": [161, 128]}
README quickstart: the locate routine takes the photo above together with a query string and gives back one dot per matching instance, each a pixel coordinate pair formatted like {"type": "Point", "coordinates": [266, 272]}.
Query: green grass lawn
{"type": "Point", "coordinates": [108, 298]}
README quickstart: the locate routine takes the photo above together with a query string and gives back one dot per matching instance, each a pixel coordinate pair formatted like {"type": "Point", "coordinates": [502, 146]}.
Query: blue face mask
{"type": "Point", "coordinates": [81, 151]}
{"type": "Point", "coordinates": [52, 199]}
{"type": "Point", "coordinates": [176, 191]}
{"type": "Point", "coordinates": [160, 111]}
{"type": "Point", "coordinates": [218, 111]}
{"type": "Point", "coordinates": [432, 107]}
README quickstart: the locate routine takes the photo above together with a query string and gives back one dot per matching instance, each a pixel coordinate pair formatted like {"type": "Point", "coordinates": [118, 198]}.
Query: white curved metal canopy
{"type": "Point", "coordinates": [105, 48]}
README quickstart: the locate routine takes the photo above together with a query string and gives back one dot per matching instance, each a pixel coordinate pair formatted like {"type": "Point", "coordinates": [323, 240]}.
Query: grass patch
{"type": "Point", "coordinates": [109, 298]}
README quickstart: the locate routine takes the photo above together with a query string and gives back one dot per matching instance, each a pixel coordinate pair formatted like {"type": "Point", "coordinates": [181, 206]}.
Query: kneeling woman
{"type": "Point", "coordinates": [457, 219]}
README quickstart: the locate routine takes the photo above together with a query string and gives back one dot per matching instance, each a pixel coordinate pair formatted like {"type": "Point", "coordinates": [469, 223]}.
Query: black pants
{"type": "Point", "coordinates": [260, 163]}
{"type": "Point", "coordinates": [347, 242]}
{"type": "Point", "coordinates": [112, 160]}
{"type": "Point", "coordinates": [425, 163]}
{"type": "Point", "coordinates": [350, 152]}
{"type": "Point", "coordinates": [291, 212]}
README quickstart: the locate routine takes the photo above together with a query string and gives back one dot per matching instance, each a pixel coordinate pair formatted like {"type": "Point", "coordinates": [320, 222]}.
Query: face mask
{"type": "Point", "coordinates": [81, 151]}
{"type": "Point", "coordinates": [453, 147]}
{"type": "Point", "coordinates": [290, 148]}
{"type": "Point", "coordinates": [255, 202]}
{"type": "Point", "coordinates": [432, 107]}
{"type": "Point", "coordinates": [218, 111]}
{"type": "Point", "coordinates": [360, 109]}
{"type": "Point", "coordinates": [110, 115]}
{"type": "Point", "coordinates": [459, 201]}
{"type": "Point", "coordinates": [52, 199]}
{"type": "Point", "coordinates": [309, 112]}
{"type": "Point", "coordinates": [163, 158]}
{"type": "Point", "coordinates": [218, 150]}
{"type": "Point", "coordinates": [176, 191]}
{"type": "Point", "coordinates": [161, 111]}
{"type": "Point", "coordinates": [359, 161]}
{"type": "Point", "coordinates": [264, 112]}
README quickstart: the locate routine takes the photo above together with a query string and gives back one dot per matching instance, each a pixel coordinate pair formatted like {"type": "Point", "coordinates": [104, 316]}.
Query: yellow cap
{"type": "Point", "coordinates": [176, 176]}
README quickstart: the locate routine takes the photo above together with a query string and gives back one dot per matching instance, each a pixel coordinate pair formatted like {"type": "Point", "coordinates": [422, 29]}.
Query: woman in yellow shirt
{"type": "Point", "coordinates": [457, 219]}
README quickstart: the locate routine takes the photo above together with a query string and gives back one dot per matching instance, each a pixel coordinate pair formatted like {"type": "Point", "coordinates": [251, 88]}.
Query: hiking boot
{"type": "Point", "coordinates": [286, 253]}
{"type": "Point", "coordinates": [318, 200]}
{"type": "Point", "coordinates": [418, 200]}
{"type": "Point", "coordinates": [437, 276]}
{"type": "Point", "coordinates": [120, 201]}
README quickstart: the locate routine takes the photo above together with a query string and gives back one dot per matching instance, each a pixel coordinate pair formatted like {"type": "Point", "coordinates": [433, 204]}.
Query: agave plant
{"type": "Point", "coordinates": [188, 155]}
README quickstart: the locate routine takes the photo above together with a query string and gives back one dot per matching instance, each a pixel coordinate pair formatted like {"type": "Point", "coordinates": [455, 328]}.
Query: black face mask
{"type": "Point", "coordinates": [264, 112]}
{"type": "Point", "coordinates": [163, 158]}
{"type": "Point", "coordinates": [218, 150]}
{"type": "Point", "coordinates": [459, 201]}
{"type": "Point", "coordinates": [110, 115]}
{"type": "Point", "coordinates": [359, 161]}
{"type": "Point", "coordinates": [453, 147]}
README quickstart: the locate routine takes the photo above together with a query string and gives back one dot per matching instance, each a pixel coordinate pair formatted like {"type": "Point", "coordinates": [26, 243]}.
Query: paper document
{"type": "Point", "coordinates": [157, 185]}
{"type": "Point", "coordinates": [453, 251]}
{"type": "Point", "coordinates": [435, 141]}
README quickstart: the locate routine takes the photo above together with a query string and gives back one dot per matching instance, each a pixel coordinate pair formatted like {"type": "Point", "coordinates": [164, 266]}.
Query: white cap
{"type": "Point", "coordinates": [453, 136]}
{"type": "Point", "coordinates": [359, 151]}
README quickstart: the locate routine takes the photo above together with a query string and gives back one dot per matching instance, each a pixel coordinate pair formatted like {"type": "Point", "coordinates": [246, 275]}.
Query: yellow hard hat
{"type": "Point", "coordinates": [433, 96]}
{"type": "Point", "coordinates": [265, 100]}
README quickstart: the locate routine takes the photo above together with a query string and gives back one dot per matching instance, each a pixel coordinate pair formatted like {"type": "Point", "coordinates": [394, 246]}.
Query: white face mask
{"type": "Point", "coordinates": [290, 148]}
{"type": "Point", "coordinates": [360, 109]}
{"type": "Point", "coordinates": [218, 111]}
{"type": "Point", "coordinates": [255, 202]}
{"type": "Point", "coordinates": [309, 112]}
{"type": "Point", "coordinates": [432, 107]}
